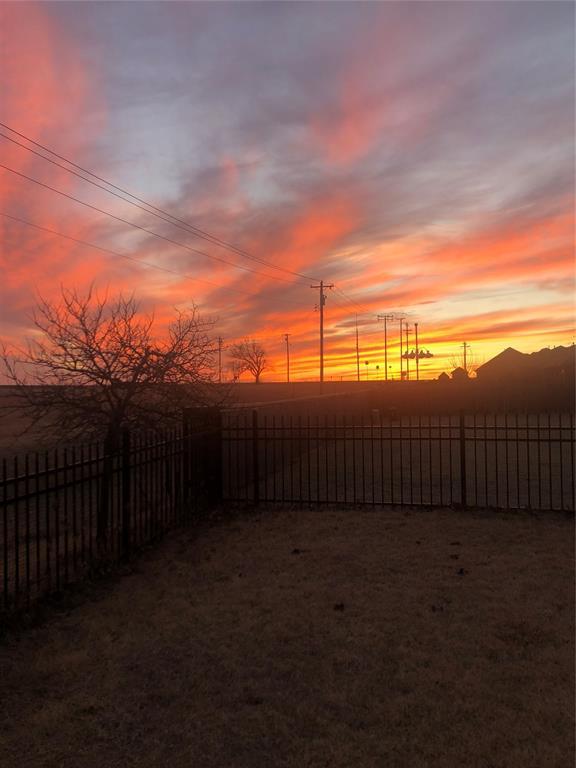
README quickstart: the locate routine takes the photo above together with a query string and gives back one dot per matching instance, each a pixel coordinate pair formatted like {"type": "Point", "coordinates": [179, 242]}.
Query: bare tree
{"type": "Point", "coordinates": [249, 356]}
{"type": "Point", "coordinates": [94, 366]}
{"type": "Point", "coordinates": [467, 359]}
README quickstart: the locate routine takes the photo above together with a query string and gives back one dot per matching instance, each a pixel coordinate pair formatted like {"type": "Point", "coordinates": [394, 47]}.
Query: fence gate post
{"type": "Point", "coordinates": [462, 441]}
{"type": "Point", "coordinates": [202, 456]}
{"type": "Point", "coordinates": [213, 467]}
{"type": "Point", "coordinates": [255, 458]}
{"type": "Point", "coordinates": [104, 490]}
{"type": "Point", "coordinates": [126, 494]}
{"type": "Point", "coordinates": [186, 463]}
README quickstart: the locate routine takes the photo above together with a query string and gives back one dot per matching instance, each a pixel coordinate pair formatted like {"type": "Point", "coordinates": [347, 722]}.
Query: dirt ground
{"type": "Point", "coordinates": [357, 638]}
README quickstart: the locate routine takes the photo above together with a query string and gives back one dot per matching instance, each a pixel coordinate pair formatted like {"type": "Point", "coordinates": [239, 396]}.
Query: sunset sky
{"type": "Point", "coordinates": [419, 156]}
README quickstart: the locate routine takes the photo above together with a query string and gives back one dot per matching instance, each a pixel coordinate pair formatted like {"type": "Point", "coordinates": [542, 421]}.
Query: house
{"type": "Point", "coordinates": [547, 364]}
{"type": "Point", "coordinates": [459, 374]}
{"type": "Point", "coordinates": [509, 364]}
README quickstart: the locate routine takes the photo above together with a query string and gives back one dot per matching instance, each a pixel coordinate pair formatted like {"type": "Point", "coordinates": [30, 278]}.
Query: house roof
{"type": "Point", "coordinates": [509, 356]}
{"type": "Point", "coordinates": [510, 362]}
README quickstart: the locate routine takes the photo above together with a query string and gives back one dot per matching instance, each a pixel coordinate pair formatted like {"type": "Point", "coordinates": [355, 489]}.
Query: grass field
{"type": "Point", "coordinates": [311, 638]}
{"type": "Point", "coordinates": [18, 435]}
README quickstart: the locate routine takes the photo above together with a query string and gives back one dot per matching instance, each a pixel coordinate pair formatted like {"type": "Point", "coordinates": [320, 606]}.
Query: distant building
{"type": "Point", "coordinates": [506, 365]}
{"type": "Point", "coordinates": [459, 374]}
{"type": "Point", "coordinates": [547, 364]}
{"type": "Point", "coordinates": [444, 377]}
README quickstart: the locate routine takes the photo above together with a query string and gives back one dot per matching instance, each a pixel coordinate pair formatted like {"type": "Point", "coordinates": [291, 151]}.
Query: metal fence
{"type": "Point", "coordinates": [481, 460]}
{"type": "Point", "coordinates": [65, 512]}
{"type": "Point", "coordinates": [68, 511]}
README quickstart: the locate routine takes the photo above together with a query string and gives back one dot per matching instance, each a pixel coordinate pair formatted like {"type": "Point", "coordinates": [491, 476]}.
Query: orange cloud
{"type": "Point", "coordinates": [348, 132]}
{"type": "Point", "coordinates": [47, 91]}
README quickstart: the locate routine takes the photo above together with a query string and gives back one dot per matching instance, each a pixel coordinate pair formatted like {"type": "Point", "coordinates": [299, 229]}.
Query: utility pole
{"type": "Point", "coordinates": [357, 352]}
{"type": "Point", "coordinates": [286, 335]}
{"type": "Point", "coordinates": [386, 318]}
{"type": "Point", "coordinates": [220, 341]}
{"type": "Point", "coordinates": [465, 347]}
{"type": "Point", "coordinates": [401, 346]}
{"type": "Point", "coordinates": [322, 302]}
{"type": "Point", "coordinates": [407, 353]}
{"type": "Point", "coordinates": [417, 353]}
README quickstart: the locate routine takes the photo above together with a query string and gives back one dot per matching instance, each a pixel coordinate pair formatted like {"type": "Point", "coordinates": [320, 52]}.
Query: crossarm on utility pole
{"type": "Point", "coordinates": [321, 307]}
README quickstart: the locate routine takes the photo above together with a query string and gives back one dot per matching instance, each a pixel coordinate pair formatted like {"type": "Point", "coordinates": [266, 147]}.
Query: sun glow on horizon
{"type": "Point", "coordinates": [430, 177]}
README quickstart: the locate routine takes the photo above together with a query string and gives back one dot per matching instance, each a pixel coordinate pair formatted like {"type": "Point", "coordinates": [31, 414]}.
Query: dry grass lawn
{"type": "Point", "coordinates": [345, 639]}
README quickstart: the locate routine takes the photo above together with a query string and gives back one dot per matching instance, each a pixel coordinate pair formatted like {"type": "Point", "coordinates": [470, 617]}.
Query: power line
{"type": "Point", "coordinates": [141, 262]}
{"type": "Point", "coordinates": [144, 229]}
{"type": "Point", "coordinates": [345, 303]}
{"type": "Point", "coordinates": [364, 310]}
{"type": "Point", "coordinates": [156, 211]}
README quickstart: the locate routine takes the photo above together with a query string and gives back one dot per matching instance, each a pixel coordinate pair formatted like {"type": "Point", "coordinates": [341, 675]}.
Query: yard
{"type": "Point", "coordinates": [309, 638]}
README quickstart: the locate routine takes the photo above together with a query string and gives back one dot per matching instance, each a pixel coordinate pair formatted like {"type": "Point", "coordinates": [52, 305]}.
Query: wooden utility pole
{"type": "Point", "coordinates": [286, 335]}
{"type": "Point", "coordinates": [465, 347]}
{"type": "Point", "coordinates": [220, 341]}
{"type": "Point", "coordinates": [417, 353]}
{"type": "Point", "coordinates": [401, 348]}
{"type": "Point", "coordinates": [386, 318]}
{"type": "Point", "coordinates": [407, 353]}
{"type": "Point", "coordinates": [321, 307]}
{"type": "Point", "coordinates": [357, 352]}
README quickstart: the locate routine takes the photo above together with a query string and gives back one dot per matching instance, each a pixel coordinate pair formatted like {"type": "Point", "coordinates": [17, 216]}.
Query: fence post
{"type": "Point", "coordinates": [255, 458]}
{"type": "Point", "coordinates": [126, 493]}
{"type": "Point", "coordinates": [186, 462]}
{"type": "Point", "coordinates": [105, 480]}
{"type": "Point", "coordinates": [213, 468]}
{"type": "Point", "coordinates": [202, 455]}
{"type": "Point", "coordinates": [462, 440]}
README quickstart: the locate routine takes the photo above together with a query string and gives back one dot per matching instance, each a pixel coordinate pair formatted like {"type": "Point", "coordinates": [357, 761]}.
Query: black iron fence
{"type": "Point", "coordinates": [67, 511]}
{"type": "Point", "coordinates": [481, 460]}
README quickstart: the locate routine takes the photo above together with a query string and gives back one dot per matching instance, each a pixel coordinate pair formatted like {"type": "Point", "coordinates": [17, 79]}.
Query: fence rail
{"type": "Point", "coordinates": [480, 460]}
{"type": "Point", "coordinates": [64, 512]}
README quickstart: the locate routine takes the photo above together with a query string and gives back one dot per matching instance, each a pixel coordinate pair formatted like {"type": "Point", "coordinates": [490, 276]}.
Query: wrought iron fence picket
{"type": "Point", "coordinates": [52, 504]}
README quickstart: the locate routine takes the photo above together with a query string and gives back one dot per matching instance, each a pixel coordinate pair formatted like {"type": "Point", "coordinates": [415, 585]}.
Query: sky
{"type": "Point", "coordinates": [419, 156]}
